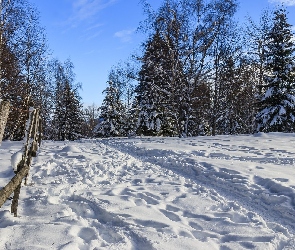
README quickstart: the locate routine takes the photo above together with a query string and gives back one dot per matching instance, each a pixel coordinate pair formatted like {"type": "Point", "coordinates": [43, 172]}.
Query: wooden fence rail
{"type": "Point", "coordinates": [32, 141]}
{"type": "Point", "coordinates": [12, 185]}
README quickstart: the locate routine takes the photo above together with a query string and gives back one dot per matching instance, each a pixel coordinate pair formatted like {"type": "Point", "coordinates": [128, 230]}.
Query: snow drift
{"type": "Point", "coordinates": [223, 192]}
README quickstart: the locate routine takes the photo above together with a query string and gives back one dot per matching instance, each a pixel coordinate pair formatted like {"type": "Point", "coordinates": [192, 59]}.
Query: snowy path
{"type": "Point", "coordinates": [166, 193]}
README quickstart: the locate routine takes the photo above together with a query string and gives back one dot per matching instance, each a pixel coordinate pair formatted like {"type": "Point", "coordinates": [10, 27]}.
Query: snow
{"type": "Point", "coordinates": [16, 159]}
{"type": "Point", "coordinates": [223, 192]}
{"type": "Point", "coordinates": [268, 93]}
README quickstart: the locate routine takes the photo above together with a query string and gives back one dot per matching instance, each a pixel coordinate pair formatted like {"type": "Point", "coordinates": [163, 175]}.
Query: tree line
{"type": "Point", "coordinates": [203, 73]}
{"type": "Point", "coordinates": [30, 76]}
{"type": "Point", "coordinates": [200, 72]}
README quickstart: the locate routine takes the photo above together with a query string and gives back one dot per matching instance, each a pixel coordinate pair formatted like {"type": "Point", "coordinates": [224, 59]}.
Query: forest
{"type": "Point", "coordinates": [199, 72]}
{"type": "Point", "coordinates": [31, 76]}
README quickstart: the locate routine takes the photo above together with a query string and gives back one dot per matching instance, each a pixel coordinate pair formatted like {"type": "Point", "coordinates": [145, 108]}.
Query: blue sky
{"type": "Point", "coordinates": [97, 34]}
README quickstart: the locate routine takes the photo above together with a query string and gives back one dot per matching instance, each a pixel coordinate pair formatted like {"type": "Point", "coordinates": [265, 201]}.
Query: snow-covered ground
{"type": "Point", "coordinates": [223, 192]}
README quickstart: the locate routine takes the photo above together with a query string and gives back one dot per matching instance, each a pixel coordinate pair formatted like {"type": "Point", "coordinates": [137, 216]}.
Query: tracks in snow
{"type": "Point", "coordinates": [261, 202]}
{"type": "Point", "coordinates": [111, 195]}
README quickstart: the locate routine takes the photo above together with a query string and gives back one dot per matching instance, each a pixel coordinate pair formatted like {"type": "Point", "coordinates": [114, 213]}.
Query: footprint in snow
{"type": "Point", "coordinates": [170, 215]}
{"type": "Point", "coordinates": [87, 234]}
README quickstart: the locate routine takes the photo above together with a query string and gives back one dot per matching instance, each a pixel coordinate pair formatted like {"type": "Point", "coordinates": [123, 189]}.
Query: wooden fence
{"type": "Point", "coordinates": [32, 141]}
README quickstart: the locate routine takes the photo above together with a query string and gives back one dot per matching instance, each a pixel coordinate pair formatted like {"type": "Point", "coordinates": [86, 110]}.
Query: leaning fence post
{"type": "Point", "coordinates": [32, 140]}
{"type": "Point", "coordinates": [4, 111]}
{"type": "Point", "coordinates": [14, 203]}
{"type": "Point", "coordinates": [31, 130]}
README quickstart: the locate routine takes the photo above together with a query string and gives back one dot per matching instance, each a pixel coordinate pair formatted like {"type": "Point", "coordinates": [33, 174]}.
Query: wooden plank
{"type": "Point", "coordinates": [12, 185]}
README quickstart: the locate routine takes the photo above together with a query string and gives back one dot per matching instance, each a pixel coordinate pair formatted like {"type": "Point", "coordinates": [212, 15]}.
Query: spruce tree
{"type": "Point", "coordinates": [68, 115]}
{"type": "Point", "coordinates": [67, 120]}
{"type": "Point", "coordinates": [72, 120]}
{"type": "Point", "coordinates": [227, 122]}
{"type": "Point", "coordinates": [112, 117]}
{"type": "Point", "coordinates": [277, 102]}
{"type": "Point", "coordinates": [153, 91]}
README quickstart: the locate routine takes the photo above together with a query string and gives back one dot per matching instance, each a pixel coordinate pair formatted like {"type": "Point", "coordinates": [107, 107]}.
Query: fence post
{"type": "Point", "coordinates": [30, 149]}
{"type": "Point", "coordinates": [12, 185]}
{"type": "Point", "coordinates": [14, 203]}
{"type": "Point", "coordinates": [4, 111]}
{"type": "Point", "coordinates": [33, 140]}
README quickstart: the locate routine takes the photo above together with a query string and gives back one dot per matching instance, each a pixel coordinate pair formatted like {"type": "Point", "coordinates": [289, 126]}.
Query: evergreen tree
{"type": "Point", "coordinates": [90, 116]}
{"type": "Point", "coordinates": [227, 122]}
{"type": "Point", "coordinates": [112, 117]}
{"type": "Point", "coordinates": [132, 114]}
{"type": "Point", "coordinates": [67, 119]}
{"type": "Point", "coordinates": [277, 102]}
{"type": "Point", "coordinates": [153, 91]}
{"type": "Point", "coordinates": [72, 115]}
{"type": "Point", "coordinates": [200, 105]}
{"type": "Point", "coordinates": [245, 97]}
{"type": "Point", "coordinates": [123, 77]}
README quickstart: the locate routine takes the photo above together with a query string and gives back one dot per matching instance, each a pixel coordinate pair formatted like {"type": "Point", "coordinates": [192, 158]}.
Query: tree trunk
{"type": "Point", "coordinates": [4, 111]}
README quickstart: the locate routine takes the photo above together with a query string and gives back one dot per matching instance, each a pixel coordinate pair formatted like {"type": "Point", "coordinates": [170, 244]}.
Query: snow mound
{"type": "Point", "coordinates": [16, 159]}
{"type": "Point", "coordinates": [260, 134]}
{"type": "Point", "coordinates": [70, 149]}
